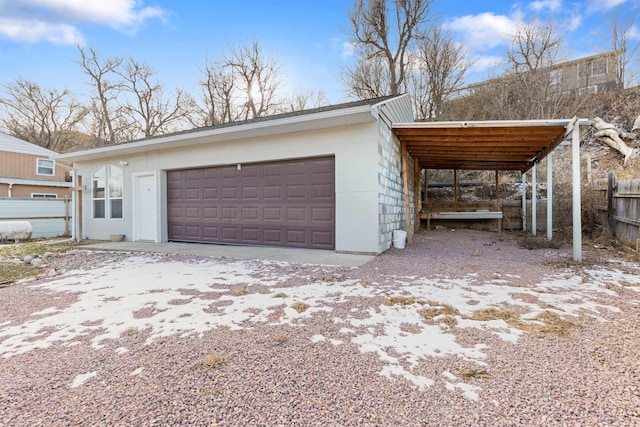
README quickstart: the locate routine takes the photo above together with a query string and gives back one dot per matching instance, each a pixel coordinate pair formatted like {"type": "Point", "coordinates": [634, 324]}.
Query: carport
{"type": "Point", "coordinates": [496, 146]}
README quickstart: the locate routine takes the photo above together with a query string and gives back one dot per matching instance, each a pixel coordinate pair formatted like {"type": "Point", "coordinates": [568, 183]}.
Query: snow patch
{"type": "Point", "coordinates": [82, 378]}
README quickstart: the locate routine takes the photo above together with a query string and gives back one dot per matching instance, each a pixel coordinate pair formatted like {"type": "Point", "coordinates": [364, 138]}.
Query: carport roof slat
{"type": "Point", "coordinates": [489, 145]}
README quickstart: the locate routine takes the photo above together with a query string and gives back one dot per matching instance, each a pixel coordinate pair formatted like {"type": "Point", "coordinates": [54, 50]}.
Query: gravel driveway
{"type": "Point", "coordinates": [460, 328]}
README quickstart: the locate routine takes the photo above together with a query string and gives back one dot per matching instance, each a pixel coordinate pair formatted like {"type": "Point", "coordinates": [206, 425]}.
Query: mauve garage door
{"type": "Point", "coordinates": [285, 203]}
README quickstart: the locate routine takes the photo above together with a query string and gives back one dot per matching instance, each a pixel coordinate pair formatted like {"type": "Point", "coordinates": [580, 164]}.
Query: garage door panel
{"type": "Point", "coordinates": [286, 203]}
{"type": "Point", "coordinates": [251, 235]}
{"type": "Point", "coordinates": [322, 239]}
{"type": "Point", "coordinates": [250, 213]}
{"type": "Point", "coordinates": [210, 232]}
{"type": "Point", "coordinates": [250, 193]}
{"type": "Point", "coordinates": [192, 231]}
{"type": "Point", "coordinates": [271, 192]}
{"type": "Point", "coordinates": [297, 191]}
{"type": "Point", "coordinates": [230, 233]}
{"type": "Point", "coordinates": [273, 170]}
{"type": "Point", "coordinates": [229, 193]}
{"type": "Point", "coordinates": [250, 171]}
{"type": "Point", "coordinates": [210, 193]}
{"type": "Point", "coordinates": [322, 215]}
{"type": "Point", "coordinates": [297, 214]}
{"type": "Point", "coordinates": [297, 168]}
{"type": "Point", "coordinates": [229, 213]}
{"type": "Point", "coordinates": [192, 194]}
{"type": "Point", "coordinates": [272, 213]}
{"type": "Point", "coordinates": [211, 213]}
{"type": "Point", "coordinates": [192, 212]}
{"type": "Point", "coordinates": [296, 237]}
{"type": "Point", "coordinates": [229, 172]}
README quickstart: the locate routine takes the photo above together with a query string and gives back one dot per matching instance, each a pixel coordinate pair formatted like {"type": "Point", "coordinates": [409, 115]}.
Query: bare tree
{"type": "Point", "coordinates": [386, 30]}
{"type": "Point", "coordinates": [368, 78]}
{"type": "Point", "coordinates": [442, 65]}
{"type": "Point", "coordinates": [218, 95]}
{"type": "Point", "coordinates": [621, 44]}
{"type": "Point", "coordinates": [531, 88]}
{"type": "Point", "coordinates": [535, 46]}
{"type": "Point", "coordinates": [46, 117]}
{"type": "Point", "coordinates": [105, 93]}
{"type": "Point", "coordinates": [257, 78]}
{"type": "Point", "coordinates": [243, 84]}
{"type": "Point", "coordinates": [149, 110]}
{"type": "Point", "coordinates": [531, 92]}
{"type": "Point", "coordinates": [303, 100]}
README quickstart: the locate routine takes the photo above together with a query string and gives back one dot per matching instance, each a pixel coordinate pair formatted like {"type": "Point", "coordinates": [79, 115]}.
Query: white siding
{"type": "Point", "coordinates": [355, 149]}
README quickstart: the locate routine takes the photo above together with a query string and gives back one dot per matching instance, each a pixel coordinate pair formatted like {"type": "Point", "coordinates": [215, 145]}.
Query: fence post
{"type": "Point", "coordinates": [66, 215]}
{"type": "Point", "coordinates": [610, 209]}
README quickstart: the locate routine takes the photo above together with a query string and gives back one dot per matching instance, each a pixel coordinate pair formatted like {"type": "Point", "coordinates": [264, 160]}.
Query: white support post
{"type": "Point", "coordinates": [74, 209]}
{"type": "Point", "coordinates": [534, 199]}
{"type": "Point", "coordinates": [576, 199]}
{"type": "Point", "coordinates": [524, 201]}
{"type": "Point", "coordinates": [550, 196]}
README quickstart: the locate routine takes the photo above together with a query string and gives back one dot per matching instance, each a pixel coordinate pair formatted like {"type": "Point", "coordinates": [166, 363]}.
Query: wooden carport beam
{"type": "Point", "coordinates": [405, 185]}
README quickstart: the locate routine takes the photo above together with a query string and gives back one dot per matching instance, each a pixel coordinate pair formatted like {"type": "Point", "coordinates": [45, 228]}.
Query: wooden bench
{"type": "Point", "coordinates": [459, 216]}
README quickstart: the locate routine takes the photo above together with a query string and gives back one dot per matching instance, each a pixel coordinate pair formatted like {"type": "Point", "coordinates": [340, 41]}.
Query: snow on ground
{"type": "Point", "coordinates": [184, 298]}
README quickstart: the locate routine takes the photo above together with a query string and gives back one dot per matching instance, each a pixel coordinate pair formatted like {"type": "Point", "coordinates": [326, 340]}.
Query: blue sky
{"type": "Point", "coordinates": [307, 37]}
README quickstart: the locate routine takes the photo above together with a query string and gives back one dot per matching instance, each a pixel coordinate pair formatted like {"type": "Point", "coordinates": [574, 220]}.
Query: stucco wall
{"type": "Point", "coordinates": [391, 207]}
{"type": "Point", "coordinates": [354, 148]}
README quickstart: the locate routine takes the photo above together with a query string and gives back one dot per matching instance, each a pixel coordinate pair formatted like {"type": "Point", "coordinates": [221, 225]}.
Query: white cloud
{"type": "Point", "coordinates": [574, 23]}
{"type": "Point", "coordinates": [485, 30]}
{"type": "Point", "coordinates": [115, 13]}
{"type": "Point", "coordinates": [34, 31]}
{"type": "Point", "coordinates": [599, 5]}
{"type": "Point", "coordinates": [348, 50]}
{"type": "Point", "coordinates": [483, 63]}
{"type": "Point", "coordinates": [56, 21]}
{"type": "Point", "coordinates": [539, 5]}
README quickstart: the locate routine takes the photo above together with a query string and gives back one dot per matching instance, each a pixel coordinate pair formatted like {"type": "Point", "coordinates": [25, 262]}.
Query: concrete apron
{"type": "Point", "coordinates": [292, 255]}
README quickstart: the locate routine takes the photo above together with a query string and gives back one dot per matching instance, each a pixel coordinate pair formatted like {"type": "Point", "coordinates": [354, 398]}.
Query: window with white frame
{"type": "Point", "coordinates": [588, 90]}
{"type": "Point", "coordinates": [555, 78]}
{"type": "Point", "coordinates": [107, 192]}
{"type": "Point", "coordinates": [592, 68]}
{"type": "Point", "coordinates": [45, 167]}
{"type": "Point", "coordinates": [44, 196]}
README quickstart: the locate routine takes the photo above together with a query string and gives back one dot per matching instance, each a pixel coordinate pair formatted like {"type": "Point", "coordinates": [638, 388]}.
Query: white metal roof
{"type": "Point", "coordinates": [14, 145]}
{"type": "Point", "coordinates": [332, 116]}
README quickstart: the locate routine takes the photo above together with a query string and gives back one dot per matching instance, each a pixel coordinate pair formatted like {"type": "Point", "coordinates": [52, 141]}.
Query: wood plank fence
{"type": "Point", "coordinates": [48, 217]}
{"type": "Point", "coordinates": [617, 205]}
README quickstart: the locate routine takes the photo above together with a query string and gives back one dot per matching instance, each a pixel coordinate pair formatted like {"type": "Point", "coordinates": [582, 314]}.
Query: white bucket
{"type": "Point", "coordinates": [399, 238]}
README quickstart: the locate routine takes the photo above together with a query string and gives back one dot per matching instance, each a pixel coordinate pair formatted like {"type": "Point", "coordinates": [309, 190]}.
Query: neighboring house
{"type": "Point", "coordinates": [588, 75]}
{"type": "Point", "coordinates": [28, 170]}
{"type": "Point", "coordinates": [327, 178]}
{"type": "Point", "coordinates": [592, 74]}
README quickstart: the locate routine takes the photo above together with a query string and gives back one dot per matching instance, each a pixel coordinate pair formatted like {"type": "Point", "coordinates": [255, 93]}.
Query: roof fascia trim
{"type": "Point", "coordinates": [228, 133]}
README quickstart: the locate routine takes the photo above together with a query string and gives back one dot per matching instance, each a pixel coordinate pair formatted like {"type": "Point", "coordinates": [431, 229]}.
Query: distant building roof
{"type": "Point", "coordinates": [16, 145]}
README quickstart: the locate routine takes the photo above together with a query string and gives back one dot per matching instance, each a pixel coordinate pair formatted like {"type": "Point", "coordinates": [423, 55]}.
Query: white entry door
{"type": "Point", "coordinates": [145, 208]}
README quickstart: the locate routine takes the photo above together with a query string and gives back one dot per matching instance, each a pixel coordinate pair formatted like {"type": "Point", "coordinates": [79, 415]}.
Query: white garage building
{"type": "Point", "coordinates": [327, 178]}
